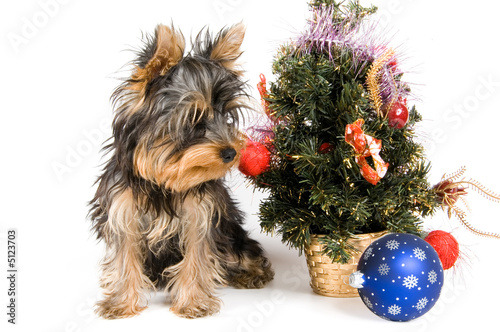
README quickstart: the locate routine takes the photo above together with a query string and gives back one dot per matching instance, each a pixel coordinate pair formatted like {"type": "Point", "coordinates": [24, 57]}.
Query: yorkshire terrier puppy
{"type": "Point", "coordinates": [161, 205]}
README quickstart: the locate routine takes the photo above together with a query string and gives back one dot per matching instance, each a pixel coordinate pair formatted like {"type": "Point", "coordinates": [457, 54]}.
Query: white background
{"type": "Point", "coordinates": [60, 63]}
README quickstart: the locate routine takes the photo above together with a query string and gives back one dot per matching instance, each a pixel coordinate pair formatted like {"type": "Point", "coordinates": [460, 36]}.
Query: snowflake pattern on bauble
{"type": "Point", "coordinates": [432, 276]}
{"type": "Point", "coordinates": [394, 310]}
{"type": "Point", "coordinates": [422, 303]}
{"type": "Point", "coordinates": [368, 253]}
{"type": "Point", "coordinates": [384, 269]}
{"type": "Point", "coordinates": [392, 244]}
{"type": "Point", "coordinates": [410, 281]}
{"type": "Point", "coordinates": [419, 253]}
{"type": "Point", "coordinates": [367, 301]}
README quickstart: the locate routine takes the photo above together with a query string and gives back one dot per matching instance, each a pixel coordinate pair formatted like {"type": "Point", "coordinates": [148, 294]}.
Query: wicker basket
{"type": "Point", "coordinates": [327, 278]}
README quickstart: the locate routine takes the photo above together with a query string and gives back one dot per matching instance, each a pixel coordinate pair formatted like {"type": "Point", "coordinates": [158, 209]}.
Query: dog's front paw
{"type": "Point", "coordinates": [197, 309]}
{"type": "Point", "coordinates": [110, 310]}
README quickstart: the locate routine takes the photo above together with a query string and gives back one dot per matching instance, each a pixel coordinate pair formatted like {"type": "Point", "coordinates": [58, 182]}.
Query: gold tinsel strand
{"type": "Point", "coordinates": [451, 188]}
{"type": "Point", "coordinates": [372, 79]}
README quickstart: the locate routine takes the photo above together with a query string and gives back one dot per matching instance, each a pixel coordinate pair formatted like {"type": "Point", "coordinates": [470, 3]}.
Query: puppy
{"type": "Point", "coordinates": [161, 206]}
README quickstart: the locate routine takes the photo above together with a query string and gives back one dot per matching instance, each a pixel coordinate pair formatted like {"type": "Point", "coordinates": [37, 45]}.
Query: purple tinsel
{"type": "Point", "coordinates": [329, 35]}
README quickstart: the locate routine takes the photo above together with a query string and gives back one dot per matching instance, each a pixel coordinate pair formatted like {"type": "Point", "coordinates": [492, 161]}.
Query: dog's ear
{"type": "Point", "coordinates": [226, 46]}
{"type": "Point", "coordinates": [161, 53]}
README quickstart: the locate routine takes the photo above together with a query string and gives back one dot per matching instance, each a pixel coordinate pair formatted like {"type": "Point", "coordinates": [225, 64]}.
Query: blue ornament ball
{"type": "Point", "coordinates": [399, 277]}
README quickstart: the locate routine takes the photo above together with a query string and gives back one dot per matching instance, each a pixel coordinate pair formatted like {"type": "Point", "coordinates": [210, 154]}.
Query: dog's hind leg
{"type": "Point", "coordinates": [243, 258]}
{"type": "Point", "coordinates": [247, 266]}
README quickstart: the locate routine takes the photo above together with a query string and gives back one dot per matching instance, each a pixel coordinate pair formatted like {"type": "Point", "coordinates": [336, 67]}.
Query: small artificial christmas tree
{"type": "Point", "coordinates": [344, 158]}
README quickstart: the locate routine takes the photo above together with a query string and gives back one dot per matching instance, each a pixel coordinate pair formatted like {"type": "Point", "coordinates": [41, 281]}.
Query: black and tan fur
{"type": "Point", "coordinates": [163, 211]}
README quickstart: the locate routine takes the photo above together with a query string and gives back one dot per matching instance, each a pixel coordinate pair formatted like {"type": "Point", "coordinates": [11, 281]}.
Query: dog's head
{"type": "Point", "coordinates": [176, 123]}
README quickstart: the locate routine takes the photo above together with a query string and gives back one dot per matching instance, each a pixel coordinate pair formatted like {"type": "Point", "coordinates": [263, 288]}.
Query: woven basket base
{"type": "Point", "coordinates": [327, 278]}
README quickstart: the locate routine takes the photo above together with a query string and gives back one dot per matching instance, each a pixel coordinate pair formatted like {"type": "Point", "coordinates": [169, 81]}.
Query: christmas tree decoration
{"type": "Point", "coordinates": [339, 169]}
{"type": "Point", "coordinates": [399, 277]}
{"type": "Point", "coordinates": [373, 77]}
{"type": "Point", "coordinates": [261, 87]}
{"type": "Point", "coordinates": [344, 159]}
{"type": "Point", "coordinates": [261, 132]}
{"type": "Point", "coordinates": [366, 146]}
{"type": "Point", "coordinates": [450, 191]}
{"type": "Point", "coordinates": [446, 247]}
{"type": "Point", "coordinates": [255, 159]}
{"type": "Point", "coordinates": [326, 148]}
{"type": "Point", "coordinates": [398, 115]}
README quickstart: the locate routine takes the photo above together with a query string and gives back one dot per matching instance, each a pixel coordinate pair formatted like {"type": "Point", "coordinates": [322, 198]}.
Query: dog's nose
{"type": "Point", "coordinates": [227, 155]}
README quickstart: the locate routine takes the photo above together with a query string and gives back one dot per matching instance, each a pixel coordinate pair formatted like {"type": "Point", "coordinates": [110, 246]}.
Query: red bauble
{"type": "Point", "coordinates": [255, 159]}
{"type": "Point", "coordinates": [326, 148]}
{"type": "Point", "coordinates": [446, 246]}
{"type": "Point", "coordinates": [398, 115]}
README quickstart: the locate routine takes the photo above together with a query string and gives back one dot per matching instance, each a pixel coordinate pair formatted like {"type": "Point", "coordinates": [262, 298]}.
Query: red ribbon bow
{"type": "Point", "coordinates": [366, 146]}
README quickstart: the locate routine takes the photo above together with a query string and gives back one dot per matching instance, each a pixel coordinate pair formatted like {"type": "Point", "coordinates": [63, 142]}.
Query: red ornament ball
{"type": "Point", "coordinates": [398, 115]}
{"type": "Point", "coordinates": [255, 159]}
{"type": "Point", "coordinates": [446, 246]}
{"type": "Point", "coordinates": [326, 148]}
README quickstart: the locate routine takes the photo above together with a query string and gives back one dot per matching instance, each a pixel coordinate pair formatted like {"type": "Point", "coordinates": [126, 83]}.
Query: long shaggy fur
{"type": "Point", "coordinates": [166, 216]}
